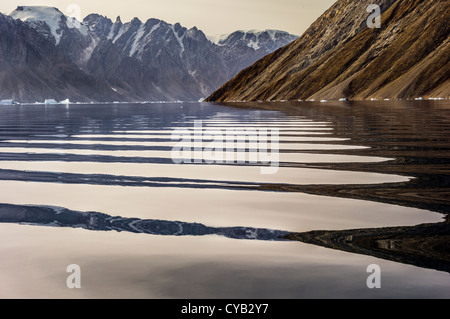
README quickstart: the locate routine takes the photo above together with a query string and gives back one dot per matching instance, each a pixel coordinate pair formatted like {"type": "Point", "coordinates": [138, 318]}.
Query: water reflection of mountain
{"type": "Point", "coordinates": [426, 245]}
{"type": "Point", "coordinates": [423, 245]}
{"type": "Point", "coordinates": [61, 217]}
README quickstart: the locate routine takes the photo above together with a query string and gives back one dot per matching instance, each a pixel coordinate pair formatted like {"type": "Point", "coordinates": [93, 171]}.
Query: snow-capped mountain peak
{"type": "Point", "coordinates": [218, 39]}
{"type": "Point", "coordinates": [36, 13]}
{"type": "Point", "coordinates": [55, 19]}
{"type": "Point", "coordinates": [254, 39]}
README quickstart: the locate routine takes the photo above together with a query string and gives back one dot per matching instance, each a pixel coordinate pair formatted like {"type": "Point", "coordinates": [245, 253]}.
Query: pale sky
{"type": "Point", "coordinates": [211, 16]}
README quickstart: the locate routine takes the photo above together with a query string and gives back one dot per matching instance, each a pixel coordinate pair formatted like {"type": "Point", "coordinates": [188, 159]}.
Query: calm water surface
{"type": "Point", "coordinates": [96, 185]}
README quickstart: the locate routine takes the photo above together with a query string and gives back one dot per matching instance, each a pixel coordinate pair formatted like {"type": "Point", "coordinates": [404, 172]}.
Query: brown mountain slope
{"type": "Point", "coordinates": [340, 57]}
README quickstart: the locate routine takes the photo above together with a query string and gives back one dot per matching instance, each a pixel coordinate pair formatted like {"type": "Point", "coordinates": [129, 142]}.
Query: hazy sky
{"type": "Point", "coordinates": [211, 16]}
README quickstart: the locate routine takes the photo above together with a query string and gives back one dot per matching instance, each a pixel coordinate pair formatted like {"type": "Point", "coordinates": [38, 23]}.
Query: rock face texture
{"type": "Point", "coordinates": [339, 56]}
{"type": "Point", "coordinates": [133, 61]}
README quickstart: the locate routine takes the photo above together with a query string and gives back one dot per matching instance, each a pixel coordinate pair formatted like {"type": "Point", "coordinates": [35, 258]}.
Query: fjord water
{"type": "Point", "coordinates": [206, 230]}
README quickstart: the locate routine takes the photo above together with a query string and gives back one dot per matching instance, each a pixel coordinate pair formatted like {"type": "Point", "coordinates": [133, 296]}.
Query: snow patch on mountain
{"type": "Point", "coordinates": [139, 34]}
{"type": "Point", "coordinates": [111, 32]}
{"type": "Point", "coordinates": [119, 34]}
{"type": "Point", "coordinates": [86, 55]}
{"type": "Point", "coordinates": [73, 23]}
{"type": "Point", "coordinates": [273, 33]}
{"type": "Point", "coordinates": [252, 36]}
{"type": "Point", "coordinates": [179, 39]}
{"type": "Point", "coordinates": [51, 16]}
{"type": "Point", "coordinates": [218, 39]}
{"type": "Point", "coordinates": [156, 26]}
{"type": "Point", "coordinates": [254, 44]}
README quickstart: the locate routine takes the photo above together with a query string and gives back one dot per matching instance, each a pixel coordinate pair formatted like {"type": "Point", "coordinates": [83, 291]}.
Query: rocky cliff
{"type": "Point", "coordinates": [339, 56]}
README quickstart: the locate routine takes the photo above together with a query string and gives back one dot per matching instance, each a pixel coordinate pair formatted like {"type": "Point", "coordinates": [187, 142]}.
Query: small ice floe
{"type": "Point", "coordinates": [52, 135]}
{"type": "Point", "coordinates": [201, 100]}
{"type": "Point", "coordinates": [300, 100]}
{"type": "Point", "coordinates": [323, 101]}
{"type": "Point", "coordinates": [343, 99]}
{"type": "Point", "coordinates": [7, 102]}
{"type": "Point", "coordinates": [387, 99]}
{"type": "Point", "coordinates": [436, 98]}
{"type": "Point", "coordinates": [50, 101]}
{"type": "Point", "coordinates": [312, 100]}
{"type": "Point", "coordinates": [374, 99]}
{"type": "Point", "coordinates": [419, 99]}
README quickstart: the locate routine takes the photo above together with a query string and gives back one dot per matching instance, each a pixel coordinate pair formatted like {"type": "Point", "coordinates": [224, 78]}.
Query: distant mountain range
{"type": "Point", "coordinates": [47, 55]}
{"type": "Point", "coordinates": [340, 57]}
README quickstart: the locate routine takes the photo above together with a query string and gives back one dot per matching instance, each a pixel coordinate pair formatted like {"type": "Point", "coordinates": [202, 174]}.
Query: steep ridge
{"type": "Point", "coordinates": [340, 57]}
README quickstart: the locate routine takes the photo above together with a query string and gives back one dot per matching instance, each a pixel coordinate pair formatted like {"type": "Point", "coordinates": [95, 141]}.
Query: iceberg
{"type": "Point", "coordinates": [7, 102]}
{"type": "Point", "coordinates": [50, 101]}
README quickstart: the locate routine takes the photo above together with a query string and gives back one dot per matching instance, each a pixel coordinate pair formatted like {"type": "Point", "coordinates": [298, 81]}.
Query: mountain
{"type": "Point", "coordinates": [241, 48]}
{"type": "Point", "coordinates": [154, 60]}
{"type": "Point", "coordinates": [340, 57]}
{"type": "Point", "coordinates": [151, 60]}
{"type": "Point", "coordinates": [33, 69]}
{"type": "Point", "coordinates": [172, 61]}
